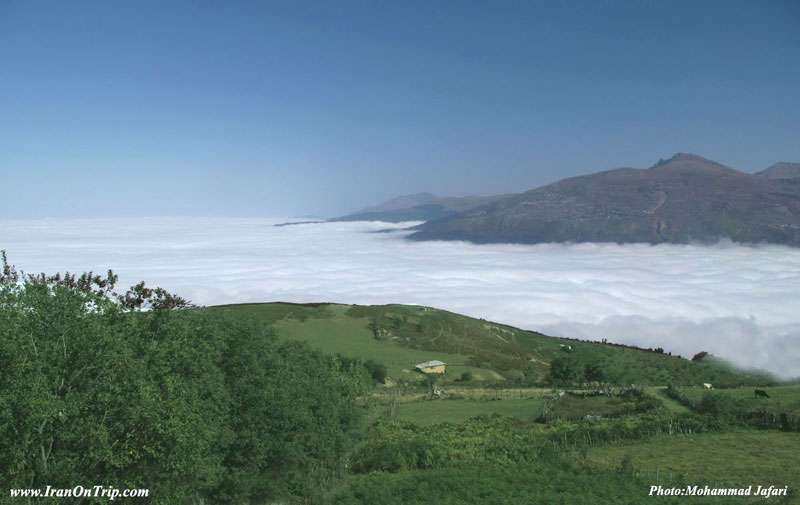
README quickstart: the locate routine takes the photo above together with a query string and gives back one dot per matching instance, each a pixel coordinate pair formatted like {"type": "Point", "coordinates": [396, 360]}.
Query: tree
{"type": "Point", "coordinates": [377, 371]}
{"type": "Point", "coordinates": [593, 373]}
{"type": "Point", "coordinates": [430, 381]}
{"type": "Point", "coordinates": [564, 371]}
{"type": "Point", "coordinates": [136, 298]}
{"type": "Point", "coordinates": [188, 403]}
{"type": "Point", "coordinates": [532, 374]}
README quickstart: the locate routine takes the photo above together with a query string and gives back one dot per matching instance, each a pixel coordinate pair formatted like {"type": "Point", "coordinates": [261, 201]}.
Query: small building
{"type": "Point", "coordinates": [434, 366]}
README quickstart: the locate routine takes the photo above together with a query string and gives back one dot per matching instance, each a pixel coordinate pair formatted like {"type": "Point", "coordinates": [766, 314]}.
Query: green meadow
{"type": "Point", "coordinates": [780, 399]}
{"type": "Point", "coordinates": [737, 458]}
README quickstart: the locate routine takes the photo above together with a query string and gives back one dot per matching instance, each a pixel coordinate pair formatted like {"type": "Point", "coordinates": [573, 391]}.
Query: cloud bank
{"type": "Point", "coordinates": [739, 302]}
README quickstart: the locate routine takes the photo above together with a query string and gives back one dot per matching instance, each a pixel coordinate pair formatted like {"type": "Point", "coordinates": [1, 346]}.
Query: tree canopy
{"type": "Point", "coordinates": [190, 403]}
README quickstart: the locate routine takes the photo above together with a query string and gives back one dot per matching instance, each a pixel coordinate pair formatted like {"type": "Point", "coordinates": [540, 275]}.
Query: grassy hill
{"type": "Point", "coordinates": [502, 430]}
{"type": "Point", "coordinates": [402, 335]}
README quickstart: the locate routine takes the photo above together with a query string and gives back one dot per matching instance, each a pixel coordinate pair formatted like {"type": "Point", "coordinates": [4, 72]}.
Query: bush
{"type": "Point", "coordinates": [377, 371]}
{"type": "Point", "coordinates": [564, 371]}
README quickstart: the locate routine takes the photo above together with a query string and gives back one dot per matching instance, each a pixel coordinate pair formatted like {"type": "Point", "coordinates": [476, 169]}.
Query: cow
{"type": "Point", "coordinates": [760, 393]}
{"type": "Point", "coordinates": [708, 385]}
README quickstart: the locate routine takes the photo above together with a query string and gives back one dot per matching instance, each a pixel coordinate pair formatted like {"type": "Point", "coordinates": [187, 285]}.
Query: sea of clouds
{"type": "Point", "coordinates": [737, 301]}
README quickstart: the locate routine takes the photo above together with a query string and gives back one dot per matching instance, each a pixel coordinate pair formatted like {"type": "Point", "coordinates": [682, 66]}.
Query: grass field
{"type": "Point", "coordinates": [671, 404]}
{"type": "Point", "coordinates": [454, 411]}
{"type": "Point", "coordinates": [575, 407]}
{"type": "Point", "coordinates": [328, 329]}
{"type": "Point", "coordinates": [540, 483]}
{"type": "Point", "coordinates": [781, 398]}
{"type": "Point", "coordinates": [737, 458]}
{"type": "Point", "coordinates": [525, 404]}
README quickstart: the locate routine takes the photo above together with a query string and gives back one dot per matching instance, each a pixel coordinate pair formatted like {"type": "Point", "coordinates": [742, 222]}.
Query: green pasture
{"type": "Point", "coordinates": [575, 407]}
{"type": "Point", "coordinates": [538, 483]}
{"type": "Point", "coordinates": [781, 398]}
{"type": "Point", "coordinates": [525, 404]}
{"type": "Point", "coordinates": [737, 458]}
{"type": "Point", "coordinates": [670, 404]}
{"type": "Point", "coordinates": [327, 328]}
{"type": "Point", "coordinates": [454, 411]}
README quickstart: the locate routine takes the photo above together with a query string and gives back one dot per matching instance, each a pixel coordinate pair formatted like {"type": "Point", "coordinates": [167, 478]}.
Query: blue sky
{"type": "Point", "coordinates": [291, 108]}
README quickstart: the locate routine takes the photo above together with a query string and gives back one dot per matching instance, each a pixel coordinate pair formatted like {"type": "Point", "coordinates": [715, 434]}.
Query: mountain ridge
{"type": "Point", "coordinates": [782, 170]}
{"type": "Point", "coordinates": [684, 199]}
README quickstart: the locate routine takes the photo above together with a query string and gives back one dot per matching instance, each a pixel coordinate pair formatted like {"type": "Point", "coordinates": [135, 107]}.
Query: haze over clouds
{"type": "Point", "coordinates": [739, 302]}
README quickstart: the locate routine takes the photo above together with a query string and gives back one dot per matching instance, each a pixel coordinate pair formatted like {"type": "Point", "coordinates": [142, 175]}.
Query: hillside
{"type": "Point", "coordinates": [497, 427]}
{"type": "Point", "coordinates": [401, 336]}
{"type": "Point", "coordinates": [684, 199]}
{"type": "Point", "coordinates": [401, 202]}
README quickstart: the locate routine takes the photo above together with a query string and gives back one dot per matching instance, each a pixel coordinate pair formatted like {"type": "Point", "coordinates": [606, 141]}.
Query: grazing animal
{"type": "Point", "coordinates": [708, 386]}
{"type": "Point", "coordinates": [760, 393]}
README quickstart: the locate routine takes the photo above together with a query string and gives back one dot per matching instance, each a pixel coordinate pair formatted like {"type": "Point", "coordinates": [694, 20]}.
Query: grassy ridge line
{"type": "Point", "coordinates": [401, 335]}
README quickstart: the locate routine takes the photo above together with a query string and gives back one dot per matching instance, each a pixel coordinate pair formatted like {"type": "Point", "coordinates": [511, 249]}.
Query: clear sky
{"type": "Point", "coordinates": [119, 108]}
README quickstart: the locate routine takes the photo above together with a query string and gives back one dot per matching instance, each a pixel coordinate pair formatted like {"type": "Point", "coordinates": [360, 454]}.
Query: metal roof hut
{"type": "Point", "coordinates": [434, 366]}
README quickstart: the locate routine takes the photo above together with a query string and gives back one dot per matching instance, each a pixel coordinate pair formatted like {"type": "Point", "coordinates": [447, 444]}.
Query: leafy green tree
{"type": "Point", "coordinates": [593, 373]}
{"type": "Point", "coordinates": [532, 375]}
{"type": "Point", "coordinates": [377, 371]}
{"type": "Point", "coordinates": [188, 403]}
{"type": "Point", "coordinates": [430, 381]}
{"type": "Point", "coordinates": [564, 371]}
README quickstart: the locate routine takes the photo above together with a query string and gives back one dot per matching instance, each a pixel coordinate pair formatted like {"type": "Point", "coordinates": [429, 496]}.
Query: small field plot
{"type": "Point", "coordinates": [453, 411]}
{"type": "Point", "coordinates": [574, 406]}
{"type": "Point", "coordinates": [740, 458]}
{"type": "Point", "coordinates": [671, 404]}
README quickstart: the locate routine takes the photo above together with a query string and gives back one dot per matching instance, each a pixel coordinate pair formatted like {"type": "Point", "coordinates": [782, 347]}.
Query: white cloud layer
{"type": "Point", "coordinates": [739, 302]}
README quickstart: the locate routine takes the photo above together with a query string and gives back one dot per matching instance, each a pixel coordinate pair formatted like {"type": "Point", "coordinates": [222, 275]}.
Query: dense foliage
{"type": "Point", "coordinates": [188, 403]}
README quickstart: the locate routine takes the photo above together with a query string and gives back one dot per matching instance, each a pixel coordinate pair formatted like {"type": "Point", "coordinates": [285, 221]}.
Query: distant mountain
{"type": "Point", "coordinates": [419, 207]}
{"type": "Point", "coordinates": [684, 199]}
{"type": "Point", "coordinates": [782, 170]}
{"type": "Point", "coordinates": [401, 202]}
